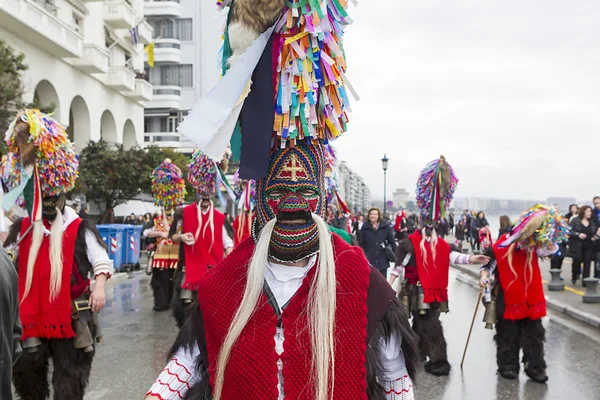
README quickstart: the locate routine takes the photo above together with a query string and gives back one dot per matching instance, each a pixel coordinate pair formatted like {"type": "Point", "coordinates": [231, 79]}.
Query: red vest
{"type": "Point", "coordinates": [251, 371]}
{"type": "Point", "coordinates": [433, 275]}
{"type": "Point", "coordinates": [246, 233]}
{"type": "Point", "coordinates": [521, 298]}
{"type": "Point", "coordinates": [40, 317]}
{"type": "Point", "coordinates": [208, 250]}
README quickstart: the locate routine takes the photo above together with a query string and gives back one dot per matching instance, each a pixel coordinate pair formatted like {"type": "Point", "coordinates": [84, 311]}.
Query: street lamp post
{"type": "Point", "coordinates": [384, 164]}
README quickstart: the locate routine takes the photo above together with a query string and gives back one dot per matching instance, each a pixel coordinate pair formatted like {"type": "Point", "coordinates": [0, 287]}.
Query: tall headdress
{"type": "Point", "coordinates": [168, 186]}
{"type": "Point", "coordinates": [207, 177]}
{"type": "Point", "coordinates": [41, 161]}
{"type": "Point", "coordinates": [539, 227]}
{"type": "Point", "coordinates": [435, 189]}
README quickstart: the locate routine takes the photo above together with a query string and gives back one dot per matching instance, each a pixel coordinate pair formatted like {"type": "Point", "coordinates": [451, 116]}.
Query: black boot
{"type": "Point", "coordinates": [439, 368]}
{"type": "Point", "coordinates": [432, 339]}
{"type": "Point", "coordinates": [507, 350]}
{"type": "Point", "coordinates": [533, 336]}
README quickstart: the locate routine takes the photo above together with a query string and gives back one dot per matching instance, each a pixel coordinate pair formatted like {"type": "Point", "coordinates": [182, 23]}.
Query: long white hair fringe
{"type": "Point", "coordinates": [432, 245]}
{"type": "Point", "coordinates": [36, 242]}
{"type": "Point", "coordinates": [321, 311]}
{"type": "Point", "coordinates": [56, 256]}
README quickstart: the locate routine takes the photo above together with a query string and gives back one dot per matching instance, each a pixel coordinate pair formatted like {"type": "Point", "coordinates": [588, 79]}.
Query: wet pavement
{"type": "Point", "coordinates": [137, 340]}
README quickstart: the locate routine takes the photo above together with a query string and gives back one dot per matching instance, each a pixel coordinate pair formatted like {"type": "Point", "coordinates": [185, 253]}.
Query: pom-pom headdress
{"type": "Point", "coordinates": [540, 227]}
{"type": "Point", "coordinates": [207, 177]}
{"type": "Point", "coordinates": [168, 186]}
{"type": "Point", "coordinates": [435, 189]}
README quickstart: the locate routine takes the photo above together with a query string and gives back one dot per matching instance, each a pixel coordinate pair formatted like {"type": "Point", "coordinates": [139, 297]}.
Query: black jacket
{"type": "Point", "coordinates": [373, 243]}
{"type": "Point", "coordinates": [10, 323]}
{"type": "Point", "coordinates": [575, 243]}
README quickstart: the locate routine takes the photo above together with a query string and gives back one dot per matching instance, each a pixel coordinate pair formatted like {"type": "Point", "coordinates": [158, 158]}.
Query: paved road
{"type": "Point", "coordinates": [136, 340]}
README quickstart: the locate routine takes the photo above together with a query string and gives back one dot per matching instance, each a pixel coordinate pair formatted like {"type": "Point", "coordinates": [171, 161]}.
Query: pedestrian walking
{"type": "Point", "coordinates": [10, 323]}
{"type": "Point", "coordinates": [581, 243]}
{"type": "Point", "coordinates": [375, 236]}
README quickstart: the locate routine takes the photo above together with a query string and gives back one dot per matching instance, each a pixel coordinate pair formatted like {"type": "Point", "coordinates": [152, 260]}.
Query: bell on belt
{"type": "Point", "coordinates": [83, 336]}
{"type": "Point", "coordinates": [186, 295]}
{"type": "Point", "coordinates": [31, 345]}
{"type": "Point", "coordinates": [421, 305]}
{"type": "Point", "coordinates": [490, 317]}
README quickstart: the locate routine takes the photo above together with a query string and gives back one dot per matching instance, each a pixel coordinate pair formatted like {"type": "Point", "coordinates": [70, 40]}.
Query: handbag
{"type": "Point", "coordinates": [389, 253]}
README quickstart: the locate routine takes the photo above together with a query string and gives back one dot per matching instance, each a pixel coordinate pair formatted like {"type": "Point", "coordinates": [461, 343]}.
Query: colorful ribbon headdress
{"type": "Point", "coordinates": [207, 177]}
{"type": "Point", "coordinates": [293, 54]}
{"type": "Point", "coordinates": [168, 186]}
{"type": "Point", "coordinates": [435, 189]}
{"type": "Point", "coordinates": [541, 226]}
{"type": "Point", "coordinates": [56, 164]}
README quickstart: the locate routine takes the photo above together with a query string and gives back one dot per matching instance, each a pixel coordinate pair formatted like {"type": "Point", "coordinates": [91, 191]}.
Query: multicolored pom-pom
{"type": "Point", "coordinates": [57, 161]}
{"type": "Point", "coordinates": [203, 174]}
{"type": "Point", "coordinates": [541, 226]}
{"type": "Point", "coordinates": [435, 189]}
{"type": "Point", "coordinates": [168, 186]}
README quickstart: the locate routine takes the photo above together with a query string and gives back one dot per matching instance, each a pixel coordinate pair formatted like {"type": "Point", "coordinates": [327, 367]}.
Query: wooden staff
{"type": "Point", "coordinates": [471, 330]}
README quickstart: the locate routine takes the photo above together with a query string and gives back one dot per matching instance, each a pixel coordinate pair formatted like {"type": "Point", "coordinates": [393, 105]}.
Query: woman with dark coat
{"type": "Point", "coordinates": [581, 240]}
{"type": "Point", "coordinates": [374, 237]}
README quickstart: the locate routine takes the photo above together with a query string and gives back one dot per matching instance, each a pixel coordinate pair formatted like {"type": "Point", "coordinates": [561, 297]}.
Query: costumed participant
{"type": "Point", "coordinates": [424, 260]}
{"type": "Point", "coordinates": [55, 251]}
{"type": "Point", "coordinates": [201, 229]}
{"type": "Point", "coordinates": [242, 225]}
{"type": "Point", "coordinates": [485, 238]}
{"type": "Point", "coordinates": [517, 290]}
{"type": "Point", "coordinates": [295, 313]}
{"type": "Point", "coordinates": [168, 190]}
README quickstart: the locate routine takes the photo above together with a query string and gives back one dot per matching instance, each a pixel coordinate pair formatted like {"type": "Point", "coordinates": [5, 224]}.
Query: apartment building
{"type": "Point", "coordinates": [86, 58]}
{"type": "Point", "coordinates": [352, 188]}
{"type": "Point", "coordinates": [187, 36]}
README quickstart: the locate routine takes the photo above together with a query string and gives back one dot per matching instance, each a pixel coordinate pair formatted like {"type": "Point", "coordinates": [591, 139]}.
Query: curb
{"type": "Point", "coordinates": [552, 304]}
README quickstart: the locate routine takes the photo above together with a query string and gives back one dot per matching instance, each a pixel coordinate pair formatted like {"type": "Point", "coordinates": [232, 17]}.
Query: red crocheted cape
{"type": "Point", "coordinates": [207, 251]}
{"type": "Point", "coordinates": [40, 317]}
{"type": "Point", "coordinates": [251, 372]}
{"type": "Point", "coordinates": [434, 274]}
{"type": "Point", "coordinates": [522, 298]}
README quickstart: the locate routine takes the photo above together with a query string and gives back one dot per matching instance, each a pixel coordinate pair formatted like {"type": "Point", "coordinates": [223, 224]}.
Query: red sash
{"type": "Point", "coordinates": [522, 299]}
{"type": "Point", "coordinates": [208, 249]}
{"type": "Point", "coordinates": [40, 317]}
{"type": "Point", "coordinates": [251, 371]}
{"type": "Point", "coordinates": [434, 275]}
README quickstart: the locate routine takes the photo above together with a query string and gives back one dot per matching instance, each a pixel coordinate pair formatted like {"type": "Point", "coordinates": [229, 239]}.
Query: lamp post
{"type": "Point", "coordinates": [384, 164]}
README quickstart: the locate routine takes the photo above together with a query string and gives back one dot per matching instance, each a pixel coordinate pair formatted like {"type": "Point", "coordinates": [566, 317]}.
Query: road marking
{"type": "Point", "coordinates": [570, 289]}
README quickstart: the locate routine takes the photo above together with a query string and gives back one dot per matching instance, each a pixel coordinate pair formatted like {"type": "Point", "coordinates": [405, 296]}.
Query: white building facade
{"type": "Point", "coordinates": [84, 59]}
{"type": "Point", "coordinates": [187, 37]}
{"type": "Point", "coordinates": [352, 188]}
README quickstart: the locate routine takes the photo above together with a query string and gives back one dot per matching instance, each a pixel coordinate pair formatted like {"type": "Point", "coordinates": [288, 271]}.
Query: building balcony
{"type": "Point", "coordinates": [119, 14]}
{"type": "Point", "coordinates": [145, 31]}
{"type": "Point", "coordinates": [94, 59]}
{"type": "Point", "coordinates": [168, 97]}
{"type": "Point", "coordinates": [37, 23]}
{"type": "Point", "coordinates": [142, 92]}
{"type": "Point", "coordinates": [121, 79]}
{"type": "Point", "coordinates": [167, 51]}
{"type": "Point", "coordinates": [163, 139]}
{"type": "Point", "coordinates": [162, 7]}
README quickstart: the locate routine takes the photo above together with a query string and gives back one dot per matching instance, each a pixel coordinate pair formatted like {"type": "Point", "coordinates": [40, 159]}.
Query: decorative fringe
{"type": "Point", "coordinates": [541, 226]}
{"type": "Point", "coordinates": [48, 331]}
{"type": "Point", "coordinates": [163, 264]}
{"type": "Point", "coordinates": [168, 186]}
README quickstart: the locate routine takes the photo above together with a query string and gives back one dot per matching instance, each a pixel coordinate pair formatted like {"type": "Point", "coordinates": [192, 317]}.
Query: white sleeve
{"type": "Point", "coordinates": [542, 252]}
{"type": "Point", "coordinates": [97, 255]}
{"type": "Point", "coordinates": [177, 377]}
{"type": "Point", "coordinates": [395, 380]}
{"type": "Point", "coordinates": [147, 231]}
{"type": "Point", "coordinates": [227, 242]}
{"type": "Point", "coordinates": [459, 258]}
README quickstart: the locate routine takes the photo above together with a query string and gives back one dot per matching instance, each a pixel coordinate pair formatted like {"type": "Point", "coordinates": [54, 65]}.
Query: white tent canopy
{"type": "Point", "coordinates": [137, 207]}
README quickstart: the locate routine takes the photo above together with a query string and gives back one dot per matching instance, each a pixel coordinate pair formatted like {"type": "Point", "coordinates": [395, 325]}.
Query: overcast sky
{"type": "Point", "coordinates": [508, 91]}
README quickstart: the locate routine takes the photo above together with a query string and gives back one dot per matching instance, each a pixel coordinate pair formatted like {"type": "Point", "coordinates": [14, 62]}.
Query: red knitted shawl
{"type": "Point", "coordinates": [40, 317]}
{"type": "Point", "coordinates": [434, 275]}
{"type": "Point", "coordinates": [252, 367]}
{"type": "Point", "coordinates": [522, 299]}
{"type": "Point", "coordinates": [208, 249]}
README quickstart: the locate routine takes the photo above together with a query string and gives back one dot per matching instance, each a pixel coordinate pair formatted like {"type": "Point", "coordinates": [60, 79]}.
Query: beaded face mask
{"type": "Point", "coordinates": [293, 189]}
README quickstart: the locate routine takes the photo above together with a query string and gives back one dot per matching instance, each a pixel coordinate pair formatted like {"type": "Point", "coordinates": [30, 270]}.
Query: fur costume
{"type": "Point", "coordinates": [425, 260]}
{"type": "Point", "coordinates": [519, 292]}
{"type": "Point", "coordinates": [56, 251]}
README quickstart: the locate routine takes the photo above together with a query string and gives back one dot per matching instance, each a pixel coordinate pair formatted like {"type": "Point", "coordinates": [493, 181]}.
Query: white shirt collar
{"type": "Point", "coordinates": [69, 215]}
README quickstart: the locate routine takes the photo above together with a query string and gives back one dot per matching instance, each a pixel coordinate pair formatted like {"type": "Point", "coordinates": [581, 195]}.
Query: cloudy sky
{"type": "Point", "coordinates": [508, 91]}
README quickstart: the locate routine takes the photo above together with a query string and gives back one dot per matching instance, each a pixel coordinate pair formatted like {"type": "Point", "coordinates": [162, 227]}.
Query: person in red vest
{"type": "Point", "coordinates": [55, 251]}
{"type": "Point", "coordinates": [200, 227]}
{"type": "Point", "coordinates": [424, 261]}
{"type": "Point", "coordinates": [242, 225]}
{"type": "Point", "coordinates": [518, 289]}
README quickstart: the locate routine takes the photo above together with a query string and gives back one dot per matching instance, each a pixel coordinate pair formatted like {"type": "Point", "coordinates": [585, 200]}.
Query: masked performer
{"type": "Point", "coordinates": [55, 252]}
{"type": "Point", "coordinates": [168, 189]}
{"type": "Point", "coordinates": [295, 313]}
{"type": "Point", "coordinates": [425, 260]}
{"type": "Point", "coordinates": [200, 227]}
{"type": "Point", "coordinates": [518, 290]}
{"type": "Point", "coordinates": [242, 225]}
